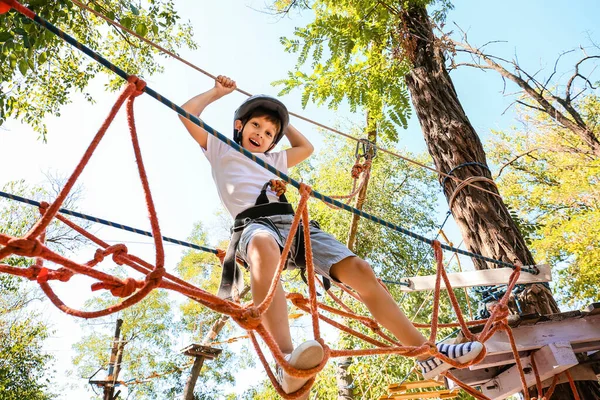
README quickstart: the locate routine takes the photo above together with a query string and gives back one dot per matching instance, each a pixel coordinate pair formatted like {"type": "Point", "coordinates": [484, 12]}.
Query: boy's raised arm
{"type": "Point", "coordinates": [197, 104]}
{"type": "Point", "coordinates": [301, 149]}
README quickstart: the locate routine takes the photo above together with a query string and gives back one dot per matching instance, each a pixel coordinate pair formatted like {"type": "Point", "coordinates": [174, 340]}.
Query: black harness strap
{"type": "Point", "coordinates": [232, 275]}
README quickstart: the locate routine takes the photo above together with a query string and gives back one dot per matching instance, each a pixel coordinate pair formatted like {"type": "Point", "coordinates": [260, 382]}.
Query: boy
{"type": "Point", "coordinates": [259, 124]}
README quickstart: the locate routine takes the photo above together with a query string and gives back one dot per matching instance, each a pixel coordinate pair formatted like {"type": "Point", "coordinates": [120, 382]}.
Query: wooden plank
{"type": "Point", "coordinates": [575, 331]}
{"type": "Point", "coordinates": [592, 309]}
{"type": "Point", "coordinates": [449, 395]}
{"type": "Point", "coordinates": [550, 360]}
{"type": "Point", "coordinates": [472, 378]}
{"type": "Point", "coordinates": [198, 350]}
{"type": "Point", "coordinates": [403, 387]}
{"type": "Point", "coordinates": [497, 360]}
{"type": "Point", "coordinates": [421, 395]}
{"type": "Point", "coordinates": [581, 372]}
{"type": "Point", "coordinates": [487, 277]}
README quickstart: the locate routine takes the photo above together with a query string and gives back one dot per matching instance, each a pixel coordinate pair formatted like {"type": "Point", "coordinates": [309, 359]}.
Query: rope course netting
{"type": "Point", "coordinates": [246, 315]}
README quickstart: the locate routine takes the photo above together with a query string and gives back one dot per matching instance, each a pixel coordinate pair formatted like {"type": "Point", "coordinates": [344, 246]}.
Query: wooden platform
{"type": "Point", "coordinates": [554, 340]}
{"type": "Point", "coordinates": [401, 391]}
{"type": "Point", "coordinates": [198, 350]}
{"type": "Point", "coordinates": [487, 277]}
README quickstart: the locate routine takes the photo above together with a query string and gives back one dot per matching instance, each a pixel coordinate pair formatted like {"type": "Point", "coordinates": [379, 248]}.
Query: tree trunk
{"type": "Point", "coordinates": [211, 335]}
{"type": "Point", "coordinates": [190, 384]}
{"type": "Point", "coordinates": [483, 218]}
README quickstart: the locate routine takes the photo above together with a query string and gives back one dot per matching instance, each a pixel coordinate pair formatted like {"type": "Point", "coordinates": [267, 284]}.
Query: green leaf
{"type": "Point", "coordinates": [126, 22]}
{"type": "Point", "coordinates": [12, 59]}
{"type": "Point", "coordinates": [4, 36]}
{"type": "Point", "coordinates": [134, 9]}
{"type": "Point", "coordinates": [23, 66]}
{"type": "Point", "coordinates": [42, 57]}
{"type": "Point", "coordinates": [141, 29]}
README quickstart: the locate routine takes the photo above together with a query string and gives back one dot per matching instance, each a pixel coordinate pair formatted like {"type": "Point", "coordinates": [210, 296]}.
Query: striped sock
{"type": "Point", "coordinates": [462, 352]}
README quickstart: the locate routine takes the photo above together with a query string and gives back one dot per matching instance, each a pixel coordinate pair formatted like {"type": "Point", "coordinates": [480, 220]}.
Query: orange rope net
{"type": "Point", "coordinates": [248, 316]}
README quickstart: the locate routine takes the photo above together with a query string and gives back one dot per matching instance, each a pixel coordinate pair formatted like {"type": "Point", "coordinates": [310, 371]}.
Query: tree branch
{"type": "Point", "coordinates": [514, 160]}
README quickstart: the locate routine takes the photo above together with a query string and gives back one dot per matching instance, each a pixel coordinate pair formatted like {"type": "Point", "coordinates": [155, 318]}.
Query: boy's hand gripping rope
{"type": "Point", "coordinates": [249, 316]}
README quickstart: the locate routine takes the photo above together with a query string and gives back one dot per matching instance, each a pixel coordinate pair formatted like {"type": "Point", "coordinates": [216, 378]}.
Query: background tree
{"type": "Point", "coordinates": [40, 71]}
{"type": "Point", "coordinates": [548, 175]}
{"type": "Point", "coordinates": [25, 366]}
{"type": "Point", "coordinates": [153, 330]}
{"type": "Point", "coordinates": [483, 218]}
{"type": "Point", "coordinates": [558, 101]}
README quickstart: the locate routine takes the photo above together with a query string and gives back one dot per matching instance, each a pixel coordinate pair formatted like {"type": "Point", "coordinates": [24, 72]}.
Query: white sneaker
{"type": "Point", "coordinates": [462, 353]}
{"type": "Point", "coordinates": [306, 356]}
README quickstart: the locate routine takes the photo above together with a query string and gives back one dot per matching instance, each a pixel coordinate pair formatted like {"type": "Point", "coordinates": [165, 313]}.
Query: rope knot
{"type": "Point", "coordinates": [126, 289]}
{"type": "Point", "coordinates": [373, 326]}
{"type": "Point", "coordinates": [119, 253]}
{"type": "Point", "coordinates": [98, 256]}
{"type": "Point", "coordinates": [357, 169]}
{"type": "Point", "coordinates": [297, 299]}
{"type": "Point", "coordinates": [44, 207]}
{"type": "Point", "coordinates": [155, 276]}
{"type": "Point", "coordinates": [249, 319]}
{"type": "Point", "coordinates": [278, 186]}
{"type": "Point", "coordinates": [499, 311]}
{"type": "Point", "coordinates": [140, 84]}
{"type": "Point", "coordinates": [305, 189]}
{"type": "Point", "coordinates": [63, 274]}
{"type": "Point", "coordinates": [431, 348]}
{"type": "Point", "coordinates": [25, 247]}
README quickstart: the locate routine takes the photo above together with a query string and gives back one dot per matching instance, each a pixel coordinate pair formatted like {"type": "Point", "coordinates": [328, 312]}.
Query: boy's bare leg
{"type": "Point", "coordinates": [263, 254]}
{"type": "Point", "coordinates": [358, 274]}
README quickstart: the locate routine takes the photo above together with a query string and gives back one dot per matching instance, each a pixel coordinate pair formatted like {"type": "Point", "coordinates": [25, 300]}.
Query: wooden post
{"type": "Point", "coordinates": [109, 387]}
{"type": "Point", "coordinates": [201, 353]}
{"type": "Point", "coordinates": [190, 384]}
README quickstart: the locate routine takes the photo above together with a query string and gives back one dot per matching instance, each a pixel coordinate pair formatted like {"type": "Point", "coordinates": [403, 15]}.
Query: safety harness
{"type": "Point", "coordinates": [231, 275]}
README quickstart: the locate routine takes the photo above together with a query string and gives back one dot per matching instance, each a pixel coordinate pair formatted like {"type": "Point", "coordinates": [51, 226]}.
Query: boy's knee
{"type": "Point", "coordinates": [363, 268]}
{"type": "Point", "coordinates": [261, 245]}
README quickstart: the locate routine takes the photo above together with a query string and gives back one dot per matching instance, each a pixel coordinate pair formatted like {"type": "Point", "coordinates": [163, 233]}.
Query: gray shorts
{"type": "Point", "coordinates": [327, 250]}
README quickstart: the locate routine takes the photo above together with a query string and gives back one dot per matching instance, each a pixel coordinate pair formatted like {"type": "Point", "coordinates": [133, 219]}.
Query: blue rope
{"type": "Point", "coordinates": [108, 223]}
{"type": "Point", "coordinates": [235, 146]}
{"type": "Point", "coordinates": [467, 164]}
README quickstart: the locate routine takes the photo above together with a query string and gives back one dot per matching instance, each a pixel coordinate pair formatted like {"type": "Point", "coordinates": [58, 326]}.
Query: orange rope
{"type": "Point", "coordinates": [248, 316]}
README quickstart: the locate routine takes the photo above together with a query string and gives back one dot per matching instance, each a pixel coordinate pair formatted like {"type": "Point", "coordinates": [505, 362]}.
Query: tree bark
{"type": "Point", "coordinates": [211, 335]}
{"type": "Point", "coordinates": [482, 217]}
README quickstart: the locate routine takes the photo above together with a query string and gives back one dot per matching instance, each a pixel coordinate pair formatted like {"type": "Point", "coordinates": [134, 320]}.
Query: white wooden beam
{"type": "Point", "coordinates": [486, 277]}
{"type": "Point", "coordinates": [581, 372]}
{"type": "Point", "coordinates": [551, 359]}
{"type": "Point", "coordinates": [497, 360]}
{"type": "Point", "coordinates": [575, 331]}
{"type": "Point", "coordinates": [471, 378]}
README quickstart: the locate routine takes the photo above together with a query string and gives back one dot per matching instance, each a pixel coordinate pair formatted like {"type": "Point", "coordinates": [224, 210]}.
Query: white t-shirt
{"type": "Point", "coordinates": [239, 180]}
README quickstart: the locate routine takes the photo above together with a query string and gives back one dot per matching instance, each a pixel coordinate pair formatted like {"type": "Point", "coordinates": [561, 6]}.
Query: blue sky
{"type": "Point", "coordinates": [236, 40]}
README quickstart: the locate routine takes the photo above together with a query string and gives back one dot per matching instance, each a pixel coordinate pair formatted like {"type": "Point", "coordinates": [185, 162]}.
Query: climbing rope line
{"type": "Point", "coordinates": [86, 50]}
{"type": "Point", "coordinates": [195, 67]}
{"type": "Point", "coordinates": [109, 223]}
{"type": "Point", "coordinates": [248, 316]}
